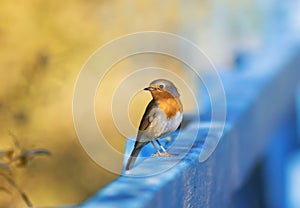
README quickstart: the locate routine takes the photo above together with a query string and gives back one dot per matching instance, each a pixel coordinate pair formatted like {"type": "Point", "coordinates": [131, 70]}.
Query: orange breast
{"type": "Point", "coordinates": [169, 104]}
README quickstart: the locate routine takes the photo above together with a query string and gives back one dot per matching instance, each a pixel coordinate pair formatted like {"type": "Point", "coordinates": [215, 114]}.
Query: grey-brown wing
{"type": "Point", "coordinates": [148, 115]}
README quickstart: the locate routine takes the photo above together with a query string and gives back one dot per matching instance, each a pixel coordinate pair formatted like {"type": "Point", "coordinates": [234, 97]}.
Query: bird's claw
{"type": "Point", "coordinates": [156, 154]}
{"type": "Point", "coordinates": [164, 154]}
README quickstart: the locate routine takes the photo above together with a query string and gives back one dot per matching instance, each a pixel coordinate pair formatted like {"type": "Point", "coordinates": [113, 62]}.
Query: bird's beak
{"type": "Point", "coordinates": [149, 88]}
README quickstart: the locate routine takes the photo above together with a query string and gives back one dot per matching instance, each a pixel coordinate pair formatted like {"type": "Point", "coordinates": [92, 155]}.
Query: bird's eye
{"type": "Point", "coordinates": [161, 86]}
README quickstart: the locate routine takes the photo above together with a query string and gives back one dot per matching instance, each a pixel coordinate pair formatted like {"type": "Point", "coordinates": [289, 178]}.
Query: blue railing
{"type": "Point", "coordinates": [248, 167]}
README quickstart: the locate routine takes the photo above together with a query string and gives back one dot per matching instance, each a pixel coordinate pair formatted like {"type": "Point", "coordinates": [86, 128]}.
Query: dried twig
{"type": "Point", "coordinates": [22, 194]}
{"type": "Point", "coordinates": [15, 140]}
{"type": "Point", "coordinates": [21, 158]}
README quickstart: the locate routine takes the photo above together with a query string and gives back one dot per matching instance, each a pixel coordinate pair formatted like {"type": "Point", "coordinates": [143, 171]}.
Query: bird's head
{"type": "Point", "coordinates": [162, 88]}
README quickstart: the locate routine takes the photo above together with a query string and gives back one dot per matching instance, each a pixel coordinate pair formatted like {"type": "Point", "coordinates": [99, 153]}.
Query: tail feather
{"type": "Point", "coordinates": [135, 152]}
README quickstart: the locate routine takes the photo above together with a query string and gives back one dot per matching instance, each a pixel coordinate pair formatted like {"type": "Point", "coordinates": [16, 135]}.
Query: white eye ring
{"type": "Point", "coordinates": [161, 86]}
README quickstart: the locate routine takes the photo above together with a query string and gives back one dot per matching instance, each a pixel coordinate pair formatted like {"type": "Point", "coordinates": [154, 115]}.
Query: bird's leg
{"type": "Point", "coordinates": [158, 153]}
{"type": "Point", "coordinates": [165, 151]}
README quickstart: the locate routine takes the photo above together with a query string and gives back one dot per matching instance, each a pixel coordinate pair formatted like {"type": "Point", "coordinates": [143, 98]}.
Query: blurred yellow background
{"type": "Point", "coordinates": [44, 45]}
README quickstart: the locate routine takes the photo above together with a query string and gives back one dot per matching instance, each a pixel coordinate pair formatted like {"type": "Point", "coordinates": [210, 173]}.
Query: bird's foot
{"type": "Point", "coordinates": [164, 154]}
{"type": "Point", "coordinates": [157, 154]}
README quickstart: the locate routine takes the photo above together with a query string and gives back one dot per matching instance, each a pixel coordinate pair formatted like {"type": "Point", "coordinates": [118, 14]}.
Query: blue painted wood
{"type": "Point", "coordinates": [293, 181]}
{"type": "Point", "coordinates": [292, 173]}
{"type": "Point", "coordinates": [277, 155]}
{"type": "Point", "coordinates": [298, 111]}
{"type": "Point", "coordinates": [257, 100]}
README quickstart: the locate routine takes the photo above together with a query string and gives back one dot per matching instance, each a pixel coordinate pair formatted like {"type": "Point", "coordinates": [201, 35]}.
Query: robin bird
{"type": "Point", "coordinates": [162, 117]}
